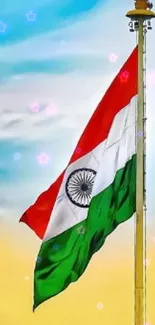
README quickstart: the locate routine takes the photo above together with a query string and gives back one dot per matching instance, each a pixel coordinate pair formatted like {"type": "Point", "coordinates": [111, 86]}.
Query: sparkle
{"type": "Point", "coordinates": [147, 262]}
{"type": "Point", "coordinates": [100, 305]}
{"type": "Point", "coordinates": [153, 239]}
{"type": "Point", "coordinates": [124, 76]}
{"type": "Point", "coordinates": [113, 57]}
{"type": "Point", "coordinates": [78, 150]}
{"type": "Point", "coordinates": [2, 27]}
{"type": "Point", "coordinates": [39, 259]}
{"type": "Point", "coordinates": [31, 16]}
{"type": "Point", "coordinates": [81, 230]}
{"type": "Point", "coordinates": [151, 78]}
{"type": "Point", "coordinates": [27, 277]}
{"type": "Point", "coordinates": [56, 247]}
{"type": "Point", "coordinates": [43, 159]}
{"type": "Point", "coordinates": [17, 156]}
{"type": "Point", "coordinates": [34, 108]}
{"type": "Point", "coordinates": [51, 110]}
{"type": "Point", "coordinates": [140, 133]}
{"type": "Point", "coordinates": [63, 42]}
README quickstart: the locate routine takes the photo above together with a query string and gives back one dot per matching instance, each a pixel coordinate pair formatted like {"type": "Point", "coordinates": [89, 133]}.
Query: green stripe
{"type": "Point", "coordinates": [63, 259]}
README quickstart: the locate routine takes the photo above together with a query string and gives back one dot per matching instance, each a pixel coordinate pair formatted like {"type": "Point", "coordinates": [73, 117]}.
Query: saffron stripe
{"type": "Point", "coordinates": [119, 94]}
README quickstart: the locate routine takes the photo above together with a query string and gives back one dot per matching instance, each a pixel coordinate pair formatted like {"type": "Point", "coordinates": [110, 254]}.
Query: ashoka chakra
{"type": "Point", "coordinates": [79, 186]}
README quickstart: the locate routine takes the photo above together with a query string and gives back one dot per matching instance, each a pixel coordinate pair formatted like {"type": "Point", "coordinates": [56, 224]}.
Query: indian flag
{"type": "Point", "coordinates": [95, 193]}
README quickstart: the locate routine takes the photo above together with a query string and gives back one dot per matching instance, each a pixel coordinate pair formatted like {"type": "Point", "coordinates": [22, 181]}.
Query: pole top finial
{"type": "Point", "coordinates": [142, 10]}
{"type": "Point", "coordinates": [143, 4]}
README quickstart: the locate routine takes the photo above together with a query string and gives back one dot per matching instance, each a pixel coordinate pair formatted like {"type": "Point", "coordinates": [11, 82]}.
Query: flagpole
{"type": "Point", "coordinates": [142, 13]}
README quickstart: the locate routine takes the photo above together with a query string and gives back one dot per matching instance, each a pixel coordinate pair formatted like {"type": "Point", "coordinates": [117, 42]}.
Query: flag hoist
{"type": "Point", "coordinates": [140, 22]}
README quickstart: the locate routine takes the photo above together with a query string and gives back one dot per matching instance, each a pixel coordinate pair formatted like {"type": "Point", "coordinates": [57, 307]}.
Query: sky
{"type": "Point", "coordinates": [57, 58]}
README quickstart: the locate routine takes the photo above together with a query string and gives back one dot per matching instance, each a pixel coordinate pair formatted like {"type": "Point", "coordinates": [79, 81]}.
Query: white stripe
{"type": "Point", "coordinates": [108, 157]}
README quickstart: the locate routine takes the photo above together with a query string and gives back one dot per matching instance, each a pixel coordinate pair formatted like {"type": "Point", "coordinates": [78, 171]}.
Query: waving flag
{"type": "Point", "coordinates": [94, 194]}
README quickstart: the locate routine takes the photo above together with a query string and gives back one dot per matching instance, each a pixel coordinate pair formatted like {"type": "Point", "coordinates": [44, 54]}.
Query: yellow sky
{"type": "Point", "coordinates": [103, 295]}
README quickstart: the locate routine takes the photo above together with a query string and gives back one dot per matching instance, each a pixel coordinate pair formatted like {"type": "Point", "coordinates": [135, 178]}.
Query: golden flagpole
{"type": "Point", "coordinates": [140, 21]}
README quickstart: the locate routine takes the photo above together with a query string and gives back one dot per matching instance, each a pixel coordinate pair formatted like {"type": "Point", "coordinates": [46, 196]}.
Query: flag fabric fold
{"type": "Point", "coordinates": [122, 89]}
{"type": "Point", "coordinates": [64, 258]}
{"type": "Point", "coordinates": [94, 194]}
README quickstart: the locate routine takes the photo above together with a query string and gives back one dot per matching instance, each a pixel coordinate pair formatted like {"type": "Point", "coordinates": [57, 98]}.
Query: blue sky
{"type": "Point", "coordinates": [59, 63]}
{"type": "Point", "coordinates": [50, 15]}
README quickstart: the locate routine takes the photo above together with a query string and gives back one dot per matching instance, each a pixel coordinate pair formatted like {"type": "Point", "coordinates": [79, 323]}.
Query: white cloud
{"type": "Point", "coordinates": [101, 31]}
{"type": "Point", "coordinates": [74, 94]}
{"type": "Point", "coordinates": [75, 97]}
